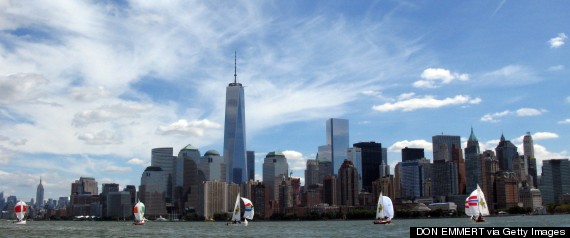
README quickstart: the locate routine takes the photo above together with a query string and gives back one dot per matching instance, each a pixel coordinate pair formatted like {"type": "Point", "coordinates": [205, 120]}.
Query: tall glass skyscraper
{"type": "Point", "coordinates": [337, 138]}
{"type": "Point", "coordinates": [234, 133]}
{"type": "Point", "coordinates": [40, 195]}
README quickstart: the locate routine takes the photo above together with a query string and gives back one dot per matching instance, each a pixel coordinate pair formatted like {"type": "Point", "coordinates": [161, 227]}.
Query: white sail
{"type": "Point", "coordinates": [236, 215]}
{"type": "Point", "coordinates": [468, 209]}
{"type": "Point", "coordinates": [138, 211]}
{"type": "Point", "coordinates": [380, 208]}
{"type": "Point", "coordinates": [248, 213]}
{"type": "Point", "coordinates": [20, 210]}
{"type": "Point", "coordinates": [471, 204]}
{"type": "Point", "coordinates": [388, 207]}
{"type": "Point", "coordinates": [483, 208]}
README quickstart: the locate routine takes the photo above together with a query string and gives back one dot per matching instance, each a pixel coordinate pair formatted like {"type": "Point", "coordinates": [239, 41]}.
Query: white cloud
{"type": "Point", "coordinates": [183, 127]}
{"type": "Point", "coordinates": [558, 41]}
{"type": "Point", "coordinates": [510, 75]}
{"type": "Point", "coordinates": [522, 112]}
{"type": "Point", "coordinates": [431, 77]}
{"type": "Point", "coordinates": [137, 161]}
{"type": "Point", "coordinates": [568, 99]}
{"type": "Point", "coordinates": [529, 112]}
{"type": "Point", "coordinates": [540, 136]}
{"type": "Point", "coordinates": [21, 88]}
{"type": "Point", "coordinates": [405, 96]}
{"type": "Point", "coordinates": [296, 160]}
{"type": "Point", "coordinates": [101, 138]}
{"type": "Point", "coordinates": [567, 121]}
{"type": "Point", "coordinates": [110, 113]}
{"type": "Point", "coordinates": [556, 68]}
{"type": "Point", "coordinates": [412, 104]}
{"type": "Point", "coordinates": [88, 94]}
{"type": "Point", "coordinates": [116, 169]}
{"type": "Point", "coordinates": [399, 145]}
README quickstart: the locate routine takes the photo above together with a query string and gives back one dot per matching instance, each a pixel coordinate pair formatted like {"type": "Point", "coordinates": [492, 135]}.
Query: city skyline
{"type": "Point", "coordinates": [91, 91]}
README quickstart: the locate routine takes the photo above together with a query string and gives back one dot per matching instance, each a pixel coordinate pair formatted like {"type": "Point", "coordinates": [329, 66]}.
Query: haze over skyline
{"type": "Point", "coordinates": [89, 88]}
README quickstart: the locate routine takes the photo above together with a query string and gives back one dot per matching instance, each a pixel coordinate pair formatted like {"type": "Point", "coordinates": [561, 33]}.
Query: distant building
{"type": "Point", "coordinates": [444, 153]}
{"type": "Point", "coordinates": [412, 154]}
{"type": "Point", "coordinates": [119, 205]}
{"type": "Point", "coordinates": [338, 139]}
{"type": "Point", "coordinates": [312, 172]}
{"type": "Point", "coordinates": [530, 198]}
{"type": "Point", "coordinates": [107, 189]}
{"type": "Point", "coordinates": [165, 159]}
{"type": "Point", "coordinates": [506, 152]}
{"type": "Point", "coordinates": [215, 199]}
{"type": "Point", "coordinates": [251, 165]}
{"type": "Point", "coordinates": [133, 192]}
{"type": "Point", "coordinates": [414, 175]}
{"type": "Point", "coordinates": [528, 150]}
{"type": "Point", "coordinates": [506, 188]}
{"type": "Point", "coordinates": [354, 155]}
{"type": "Point", "coordinates": [235, 133]}
{"type": "Point", "coordinates": [84, 198]}
{"type": "Point", "coordinates": [472, 163]}
{"type": "Point", "coordinates": [330, 191]}
{"type": "Point", "coordinates": [348, 184]}
{"type": "Point", "coordinates": [188, 182]}
{"type": "Point", "coordinates": [151, 191]}
{"type": "Point", "coordinates": [39, 196]}
{"type": "Point", "coordinates": [275, 167]}
{"type": "Point", "coordinates": [371, 163]}
{"type": "Point", "coordinates": [212, 166]}
{"type": "Point", "coordinates": [555, 180]}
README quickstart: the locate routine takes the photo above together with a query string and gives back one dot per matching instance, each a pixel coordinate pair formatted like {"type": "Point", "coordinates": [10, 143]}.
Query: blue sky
{"type": "Point", "coordinates": [88, 88]}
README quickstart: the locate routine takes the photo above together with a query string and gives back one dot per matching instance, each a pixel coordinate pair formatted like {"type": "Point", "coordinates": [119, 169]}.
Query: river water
{"type": "Point", "coordinates": [295, 229]}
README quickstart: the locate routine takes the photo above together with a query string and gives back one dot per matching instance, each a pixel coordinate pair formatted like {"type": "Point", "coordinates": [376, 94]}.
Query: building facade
{"type": "Point", "coordinates": [555, 180]}
{"type": "Point", "coordinates": [338, 139]}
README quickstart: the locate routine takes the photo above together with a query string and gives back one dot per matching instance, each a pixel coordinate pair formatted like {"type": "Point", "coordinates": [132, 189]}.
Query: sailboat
{"type": "Point", "coordinates": [476, 205]}
{"type": "Point", "coordinates": [384, 210]}
{"type": "Point", "coordinates": [248, 213]}
{"type": "Point", "coordinates": [138, 211]}
{"type": "Point", "coordinates": [20, 211]}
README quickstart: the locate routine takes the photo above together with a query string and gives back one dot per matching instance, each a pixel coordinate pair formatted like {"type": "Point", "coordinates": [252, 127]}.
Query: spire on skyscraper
{"type": "Point", "coordinates": [235, 66]}
{"type": "Point", "coordinates": [502, 137]}
{"type": "Point", "coordinates": [472, 137]}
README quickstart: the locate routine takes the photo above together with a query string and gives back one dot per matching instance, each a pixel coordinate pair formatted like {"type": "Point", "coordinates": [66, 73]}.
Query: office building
{"type": "Point", "coordinates": [348, 184]}
{"type": "Point", "coordinates": [165, 159]}
{"type": "Point", "coordinates": [39, 196]}
{"type": "Point", "coordinates": [312, 173]}
{"type": "Point", "coordinates": [412, 154]}
{"type": "Point", "coordinates": [234, 133]}
{"type": "Point", "coordinates": [275, 168]}
{"type": "Point", "coordinates": [212, 166]}
{"type": "Point", "coordinates": [506, 152]}
{"type": "Point", "coordinates": [371, 156]}
{"type": "Point", "coordinates": [251, 165]}
{"type": "Point", "coordinates": [444, 152]}
{"type": "Point", "coordinates": [472, 163]}
{"type": "Point", "coordinates": [338, 139]}
{"type": "Point", "coordinates": [151, 191]}
{"type": "Point", "coordinates": [555, 180]}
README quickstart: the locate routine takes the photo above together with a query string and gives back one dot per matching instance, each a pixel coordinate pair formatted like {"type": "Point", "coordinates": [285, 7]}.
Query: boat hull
{"type": "Point", "coordinates": [20, 222]}
{"type": "Point", "coordinates": [139, 223]}
{"type": "Point", "coordinates": [381, 222]}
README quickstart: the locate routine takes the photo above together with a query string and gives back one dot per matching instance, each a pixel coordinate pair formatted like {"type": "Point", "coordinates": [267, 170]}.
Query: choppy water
{"type": "Point", "coordinates": [295, 229]}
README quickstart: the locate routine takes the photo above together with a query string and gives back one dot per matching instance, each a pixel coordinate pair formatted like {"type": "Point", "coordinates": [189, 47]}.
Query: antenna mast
{"type": "Point", "coordinates": [235, 67]}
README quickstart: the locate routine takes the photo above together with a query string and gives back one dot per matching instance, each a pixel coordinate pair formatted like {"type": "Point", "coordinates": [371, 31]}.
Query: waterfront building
{"type": "Point", "coordinates": [259, 198]}
{"type": "Point", "coordinates": [348, 184]}
{"type": "Point", "coordinates": [445, 170]}
{"type": "Point", "coordinates": [313, 195]}
{"type": "Point", "coordinates": [188, 182]}
{"type": "Point", "coordinates": [215, 199]}
{"type": "Point", "coordinates": [506, 152]}
{"type": "Point", "coordinates": [275, 168]}
{"type": "Point", "coordinates": [530, 198]}
{"type": "Point", "coordinates": [338, 139]}
{"type": "Point", "coordinates": [330, 192]}
{"type": "Point", "coordinates": [119, 205]}
{"type": "Point", "coordinates": [84, 198]}
{"type": "Point", "coordinates": [506, 190]}
{"type": "Point", "coordinates": [371, 156]}
{"type": "Point", "coordinates": [106, 189]}
{"type": "Point", "coordinates": [489, 167]}
{"type": "Point", "coordinates": [459, 162]}
{"type": "Point", "coordinates": [414, 175]}
{"type": "Point", "coordinates": [39, 196]}
{"type": "Point", "coordinates": [444, 152]}
{"type": "Point", "coordinates": [151, 191]}
{"type": "Point", "coordinates": [555, 180]}
{"type": "Point", "coordinates": [133, 192]}
{"type": "Point", "coordinates": [520, 168]}
{"type": "Point", "coordinates": [528, 150]}
{"type": "Point", "coordinates": [234, 132]}
{"type": "Point", "coordinates": [165, 159]}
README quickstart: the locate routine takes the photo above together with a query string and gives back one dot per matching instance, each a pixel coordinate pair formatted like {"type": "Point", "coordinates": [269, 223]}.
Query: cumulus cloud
{"type": "Point", "coordinates": [556, 68]}
{"type": "Point", "coordinates": [432, 77]}
{"type": "Point", "coordinates": [558, 41]}
{"type": "Point", "coordinates": [540, 136]}
{"type": "Point", "coordinates": [295, 159]}
{"type": "Point", "coordinates": [137, 161]}
{"type": "Point", "coordinates": [110, 113]}
{"type": "Point", "coordinates": [104, 137]}
{"type": "Point", "coordinates": [87, 94]}
{"type": "Point", "coordinates": [414, 103]}
{"type": "Point", "coordinates": [21, 88]}
{"type": "Point", "coordinates": [522, 112]}
{"type": "Point", "coordinates": [399, 145]}
{"type": "Point", "coordinates": [184, 127]}
{"type": "Point", "coordinates": [567, 121]}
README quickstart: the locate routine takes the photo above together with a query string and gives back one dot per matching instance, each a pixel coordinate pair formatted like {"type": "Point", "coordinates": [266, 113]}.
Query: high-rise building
{"type": "Point", "coordinates": [165, 159]}
{"type": "Point", "coordinates": [371, 153]}
{"type": "Point", "coordinates": [133, 192]}
{"type": "Point", "coordinates": [188, 180]}
{"type": "Point", "coordinates": [118, 205]}
{"type": "Point", "coordinates": [214, 199]}
{"type": "Point", "coordinates": [506, 190]}
{"type": "Point", "coordinates": [489, 166]}
{"type": "Point", "coordinates": [457, 159]}
{"type": "Point", "coordinates": [151, 191]}
{"type": "Point", "coordinates": [330, 192]}
{"type": "Point", "coordinates": [234, 133]}
{"type": "Point", "coordinates": [106, 189]}
{"type": "Point", "coordinates": [212, 166]}
{"type": "Point", "coordinates": [250, 165]}
{"type": "Point", "coordinates": [506, 152]}
{"type": "Point", "coordinates": [312, 173]}
{"type": "Point", "coordinates": [354, 154]}
{"type": "Point", "coordinates": [444, 153]}
{"type": "Point", "coordinates": [555, 180]}
{"type": "Point", "coordinates": [528, 147]}
{"type": "Point", "coordinates": [275, 168]}
{"type": "Point", "coordinates": [348, 184]}
{"type": "Point", "coordinates": [411, 154]}
{"type": "Point", "coordinates": [414, 175]}
{"type": "Point", "coordinates": [472, 162]}
{"type": "Point", "coordinates": [84, 198]}
{"type": "Point", "coordinates": [40, 196]}
{"type": "Point", "coordinates": [338, 139]}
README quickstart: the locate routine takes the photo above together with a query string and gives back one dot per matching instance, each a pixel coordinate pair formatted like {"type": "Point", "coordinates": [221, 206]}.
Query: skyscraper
{"type": "Point", "coordinates": [338, 139]}
{"type": "Point", "coordinates": [348, 184]}
{"type": "Point", "coordinates": [212, 166]}
{"type": "Point", "coordinates": [40, 195]}
{"type": "Point", "coordinates": [371, 161]}
{"type": "Point", "coordinates": [528, 147]}
{"type": "Point", "coordinates": [444, 153]}
{"type": "Point", "coordinates": [506, 152]}
{"type": "Point", "coordinates": [472, 162]}
{"type": "Point", "coordinates": [312, 173]}
{"type": "Point", "coordinates": [411, 154]}
{"type": "Point", "coordinates": [555, 180]}
{"type": "Point", "coordinates": [234, 133]}
{"type": "Point", "coordinates": [250, 165]}
{"type": "Point", "coordinates": [165, 159]}
{"type": "Point", "coordinates": [275, 168]}
{"type": "Point", "coordinates": [151, 191]}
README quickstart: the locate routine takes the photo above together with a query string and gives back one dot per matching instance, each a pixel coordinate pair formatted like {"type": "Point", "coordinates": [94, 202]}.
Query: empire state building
{"type": "Point", "coordinates": [234, 132]}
